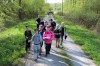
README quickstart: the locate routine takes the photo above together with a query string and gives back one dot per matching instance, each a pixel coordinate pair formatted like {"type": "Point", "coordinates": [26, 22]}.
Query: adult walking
{"type": "Point", "coordinates": [45, 24]}
{"type": "Point", "coordinates": [57, 35]}
{"type": "Point", "coordinates": [48, 36]}
{"type": "Point", "coordinates": [53, 25]}
{"type": "Point", "coordinates": [41, 31]}
{"type": "Point", "coordinates": [42, 22]}
{"type": "Point", "coordinates": [38, 20]}
{"type": "Point", "coordinates": [63, 32]}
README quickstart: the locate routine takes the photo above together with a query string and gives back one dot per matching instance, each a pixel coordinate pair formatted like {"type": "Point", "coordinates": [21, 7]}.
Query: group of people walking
{"type": "Point", "coordinates": [44, 33]}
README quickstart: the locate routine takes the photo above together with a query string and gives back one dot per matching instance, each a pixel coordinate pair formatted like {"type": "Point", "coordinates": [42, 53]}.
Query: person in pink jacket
{"type": "Point", "coordinates": [48, 36]}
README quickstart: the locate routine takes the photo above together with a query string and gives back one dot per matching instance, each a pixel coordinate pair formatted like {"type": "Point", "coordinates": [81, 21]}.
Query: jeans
{"type": "Point", "coordinates": [36, 51]}
{"type": "Point", "coordinates": [61, 40]}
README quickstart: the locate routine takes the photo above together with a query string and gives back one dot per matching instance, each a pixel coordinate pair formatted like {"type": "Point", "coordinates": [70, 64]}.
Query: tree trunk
{"type": "Point", "coordinates": [20, 15]}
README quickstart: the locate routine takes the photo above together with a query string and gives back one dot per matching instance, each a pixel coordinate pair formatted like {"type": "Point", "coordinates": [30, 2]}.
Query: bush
{"type": "Point", "coordinates": [12, 43]}
{"type": "Point", "coordinates": [83, 12]}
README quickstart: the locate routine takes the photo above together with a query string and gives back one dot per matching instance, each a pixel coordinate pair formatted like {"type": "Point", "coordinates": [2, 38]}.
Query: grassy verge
{"type": "Point", "coordinates": [12, 43]}
{"type": "Point", "coordinates": [64, 55]}
{"type": "Point", "coordinates": [89, 41]}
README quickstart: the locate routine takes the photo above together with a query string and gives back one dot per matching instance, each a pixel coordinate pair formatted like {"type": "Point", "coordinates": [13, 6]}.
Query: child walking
{"type": "Point", "coordinates": [28, 36]}
{"type": "Point", "coordinates": [48, 36]}
{"type": "Point", "coordinates": [37, 39]}
{"type": "Point", "coordinates": [57, 35]}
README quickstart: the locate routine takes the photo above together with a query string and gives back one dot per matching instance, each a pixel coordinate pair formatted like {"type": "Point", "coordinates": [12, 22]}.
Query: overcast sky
{"type": "Point", "coordinates": [54, 1]}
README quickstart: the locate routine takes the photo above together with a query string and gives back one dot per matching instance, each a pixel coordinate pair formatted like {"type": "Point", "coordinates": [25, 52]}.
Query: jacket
{"type": "Point", "coordinates": [50, 35]}
{"type": "Point", "coordinates": [37, 39]}
{"type": "Point", "coordinates": [63, 33]}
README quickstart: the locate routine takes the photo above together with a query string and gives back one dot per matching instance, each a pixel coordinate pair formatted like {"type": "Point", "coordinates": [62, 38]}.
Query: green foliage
{"type": "Point", "coordinates": [11, 11]}
{"type": "Point", "coordinates": [12, 43]}
{"type": "Point", "coordinates": [65, 56]}
{"type": "Point", "coordinates": [32, 8]}
{"type": "Point", "coordinates": [85, 12]}
{"type": "Point", "coordinates": [8, 13]}
{"type": "Point", "coordinates": [89, 41]}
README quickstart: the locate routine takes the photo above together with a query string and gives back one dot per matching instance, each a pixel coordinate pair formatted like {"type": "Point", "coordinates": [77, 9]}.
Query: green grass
{"type": "Point", "coordinates": [88, 40]}
{"type": "Point", "coordinates": [67, 59]}
{"type": "Point", "coordinates": [12, 43]}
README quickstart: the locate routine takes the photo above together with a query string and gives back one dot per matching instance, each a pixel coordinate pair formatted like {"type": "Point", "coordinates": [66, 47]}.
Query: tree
{"type": "Point", "coordinates": [20, 16]}
{"type": "Point", "coordinates": [12, 11]}
{"type": "Point", "coordinates": [85, 12]}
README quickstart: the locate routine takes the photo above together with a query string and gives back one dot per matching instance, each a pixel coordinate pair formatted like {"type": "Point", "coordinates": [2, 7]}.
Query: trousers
{"type": "Point", "coordinates": [36, 51]}
{"type": "Point", "coordinates": [47, 48]}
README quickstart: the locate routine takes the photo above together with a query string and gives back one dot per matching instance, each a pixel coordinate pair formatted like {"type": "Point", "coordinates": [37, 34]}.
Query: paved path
{"type": "Point", "coordinates": [77, 56]}
{"type": "Point", "coordinates": [54, 59]}
{"type": "Point", "coordinates": [75, 53]}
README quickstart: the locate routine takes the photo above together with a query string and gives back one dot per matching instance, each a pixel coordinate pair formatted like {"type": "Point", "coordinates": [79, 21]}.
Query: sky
{"type": "Point", "coordinates": [54, 1]}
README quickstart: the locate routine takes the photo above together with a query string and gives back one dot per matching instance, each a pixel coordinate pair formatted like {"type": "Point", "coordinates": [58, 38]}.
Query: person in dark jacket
{"type": "Point", "coordinates": [42, 22]}
{"type": "Point", "coordinates": [63, 32]}
{"type": "Point", "coordinates": [45, 24]}
{"type": "Point", "coordinates": [53, 25]}
{"type": "Point", "coordinates": [41, 31]}
{"type": "Point", "coordinates": [38, 20]}
{"type": "Point", "coordinates": [28, 36]}
{"type": "Point", "coordinates": [51, 20]}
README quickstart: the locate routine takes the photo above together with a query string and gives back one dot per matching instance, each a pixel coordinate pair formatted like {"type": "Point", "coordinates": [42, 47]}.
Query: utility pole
{"type": "Point", "coordinates": [62, 7]}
